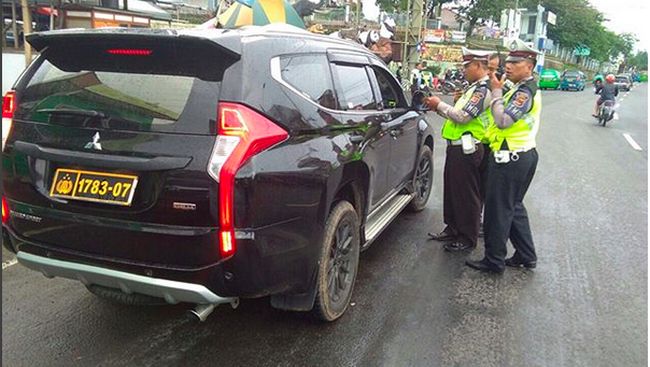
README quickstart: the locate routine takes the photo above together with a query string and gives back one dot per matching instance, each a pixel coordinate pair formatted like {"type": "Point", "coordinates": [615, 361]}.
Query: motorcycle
{"type": "Point", "coordinates": [606, 112]}
{"type": "Point", "coordinates": [455, 82]}
{"type": "Point", "coordinates": [452, 86]}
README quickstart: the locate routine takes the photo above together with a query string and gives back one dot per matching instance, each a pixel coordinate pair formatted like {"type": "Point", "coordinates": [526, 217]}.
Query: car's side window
{"type": "Point", "coordinates": [353, 89]}
{"type": "Point", "coordinates": [310, 75]}
{"type": "Point", "coordinates": [390, 94]}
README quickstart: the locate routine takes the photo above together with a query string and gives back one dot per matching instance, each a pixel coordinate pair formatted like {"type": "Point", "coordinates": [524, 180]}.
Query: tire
{"type": "Point", "coordinates": [117, 296]}
{"type": "Point", "coordinates": [423, 181]}
{"type": "Point", "coordinates": [338, 263]}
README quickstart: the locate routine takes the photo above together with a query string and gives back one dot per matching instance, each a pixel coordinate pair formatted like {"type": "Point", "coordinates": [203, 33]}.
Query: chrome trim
{"type": "Point", "coordinates": [384, 215]}
{"type": "Point", "coordinates": [276, 74]}
{"type": "Point", "coordinates": [171, 291]}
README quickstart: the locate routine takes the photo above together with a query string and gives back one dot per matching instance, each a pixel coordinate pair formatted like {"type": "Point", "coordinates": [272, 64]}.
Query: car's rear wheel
{"type": "Point", "coordinates": [339, 262]}
{"type": "Point", "coordinates": [423, 180]}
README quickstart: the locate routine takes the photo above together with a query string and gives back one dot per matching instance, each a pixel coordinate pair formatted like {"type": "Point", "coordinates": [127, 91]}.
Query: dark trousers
{"type": "Point", "coordinates": [505, 214]}
{"type": "Point", "coordinates": [462, 193]}
{"type": "Point", "coordinates": [483, 170]}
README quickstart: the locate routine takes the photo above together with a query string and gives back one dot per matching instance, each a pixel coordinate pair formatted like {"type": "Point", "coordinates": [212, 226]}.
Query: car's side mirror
{"type": "Point", "coordinates": [418, 101]}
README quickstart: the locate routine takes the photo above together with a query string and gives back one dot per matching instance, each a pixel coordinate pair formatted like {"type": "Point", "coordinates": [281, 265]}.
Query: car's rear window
{"type": "Point", "coordinates": [118, 96]}
{"type": "Point", "coordinates": [622, 79]}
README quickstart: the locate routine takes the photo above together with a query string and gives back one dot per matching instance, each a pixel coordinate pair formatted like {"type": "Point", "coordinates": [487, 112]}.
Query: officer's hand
{"type": "Point", "coordinates": [433, 102]}
{"type": "Point", "coordinates": [496, 83]}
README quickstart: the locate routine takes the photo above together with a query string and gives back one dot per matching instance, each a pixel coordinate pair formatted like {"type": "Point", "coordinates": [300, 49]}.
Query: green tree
{"type": "Point", "coordinates": [480, 10]}
{"type": "Point", "coordinates": [390, 6]}
{"type": "Point", "coordinates": [639, 60]}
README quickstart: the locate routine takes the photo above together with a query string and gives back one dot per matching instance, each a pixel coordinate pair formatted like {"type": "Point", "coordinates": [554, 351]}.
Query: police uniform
{"type": "Point", "coordinates": [462, 200]}
{"type": "Point", "coordinates": [511, 167]}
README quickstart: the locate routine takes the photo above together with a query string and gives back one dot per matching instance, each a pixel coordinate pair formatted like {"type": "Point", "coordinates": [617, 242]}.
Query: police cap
{"type": "Point", "coordinates": [475, 55]}
{"type": "Point", "coordinates": [520, 51]}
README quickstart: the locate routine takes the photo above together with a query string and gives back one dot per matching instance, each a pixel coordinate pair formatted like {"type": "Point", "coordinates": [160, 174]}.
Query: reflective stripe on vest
{"type": "Point", "coordinates": [475, 126]}
{"type": "Point", "coordinates": [521, 134]}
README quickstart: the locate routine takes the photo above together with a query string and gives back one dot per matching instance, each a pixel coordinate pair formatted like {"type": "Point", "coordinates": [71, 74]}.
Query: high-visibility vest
{"type": "Point", "coordinates": [520, 136]}
{"type": "Point", "coordinates": [476, 126]}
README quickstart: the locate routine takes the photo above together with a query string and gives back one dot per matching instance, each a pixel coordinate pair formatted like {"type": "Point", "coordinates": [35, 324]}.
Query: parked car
{"type": "Point", "coordinates": [623, 82]}
{"type": "Point", "coordinates": [10, 39]}
{"type": "Point", "coordinates": [205, 166]}
{"type": "Point", "coordinates": [549, 79]}
{"type": "Point", "coordinates": [573, 80]}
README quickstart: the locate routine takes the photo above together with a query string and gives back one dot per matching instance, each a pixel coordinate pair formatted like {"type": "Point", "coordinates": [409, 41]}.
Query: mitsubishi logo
{"type": "Point", "coordinates": [95, 144]}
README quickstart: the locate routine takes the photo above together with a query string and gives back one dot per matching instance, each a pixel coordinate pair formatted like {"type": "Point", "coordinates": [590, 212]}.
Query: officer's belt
{"type": "Point", "coordinates": [460, 142]}
{"type": "Point", "coordinates": [514, 154]}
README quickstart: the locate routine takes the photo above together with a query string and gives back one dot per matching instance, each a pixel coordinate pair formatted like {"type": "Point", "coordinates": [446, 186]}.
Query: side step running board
{"type": "Point", "coordinates": [384, 215]}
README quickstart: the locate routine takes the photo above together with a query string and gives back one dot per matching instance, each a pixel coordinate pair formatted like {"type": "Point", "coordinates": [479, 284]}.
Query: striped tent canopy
{"type": "Point", "coordinates": [259, 12]}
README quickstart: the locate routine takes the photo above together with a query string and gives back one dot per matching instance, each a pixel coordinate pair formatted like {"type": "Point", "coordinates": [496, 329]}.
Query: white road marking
{"type": "Point", "coordinates": [9, 263]}
{"type": "Point", "coordinates": [632, 142]}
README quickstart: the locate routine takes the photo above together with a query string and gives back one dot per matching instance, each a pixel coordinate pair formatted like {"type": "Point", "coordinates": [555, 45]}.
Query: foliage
{"type": "Point", "coordinates": [390, 6]}
{"type": "Point", "coordinates": [578, 24]}
{"type": "Point", "coordinates": [477, 10]}
{"type": "Point", "coordinates": [640, 61]}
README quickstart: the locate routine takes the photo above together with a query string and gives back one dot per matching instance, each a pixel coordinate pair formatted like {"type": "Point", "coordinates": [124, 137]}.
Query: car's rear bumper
{"type": "Point", "coordinates": [171, 291]}
{"type": "Point", "coordinates": [549, 84]}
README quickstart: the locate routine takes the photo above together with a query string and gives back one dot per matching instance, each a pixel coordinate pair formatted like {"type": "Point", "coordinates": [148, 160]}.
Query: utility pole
{"type": "Point", "coordinates": [358, 12]}
{"type": "Point", "coordinates": [14, 27]}
{"type": "Point", "coordinates": [27, 29]}
{"type": "Point", "coordinates": [413, 36]}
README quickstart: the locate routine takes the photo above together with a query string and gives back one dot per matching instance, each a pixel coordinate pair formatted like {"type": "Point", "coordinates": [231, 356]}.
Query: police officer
{"type": "Point", "coordinates": [516, 120]}
{"type": "Point", "coordinates": [463, 131]}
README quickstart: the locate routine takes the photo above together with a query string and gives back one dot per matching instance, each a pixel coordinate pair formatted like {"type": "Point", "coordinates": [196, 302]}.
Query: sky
{"type": "Point", "coordinates": [626, 16]}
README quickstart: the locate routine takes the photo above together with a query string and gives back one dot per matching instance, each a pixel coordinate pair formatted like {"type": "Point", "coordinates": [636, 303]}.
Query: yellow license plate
{"type": "Point", "coordinates": [99, 187]}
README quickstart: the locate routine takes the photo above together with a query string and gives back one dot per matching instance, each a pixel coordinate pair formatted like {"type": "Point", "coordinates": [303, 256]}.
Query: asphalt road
{"type": "Point", "coordinates": [414, 304]}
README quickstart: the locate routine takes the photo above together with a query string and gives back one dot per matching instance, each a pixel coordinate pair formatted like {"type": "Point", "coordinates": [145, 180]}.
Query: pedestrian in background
{"type": "Point", "coordinates": [516, 120]}
{"type": "Point", "coordinates": [463, 130]}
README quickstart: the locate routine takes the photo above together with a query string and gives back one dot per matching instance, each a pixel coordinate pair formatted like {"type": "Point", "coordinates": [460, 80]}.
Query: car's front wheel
{"type": "Point", "coordinates": [423, 180]}
{"type": "Point", "coordinates": [339, 262]}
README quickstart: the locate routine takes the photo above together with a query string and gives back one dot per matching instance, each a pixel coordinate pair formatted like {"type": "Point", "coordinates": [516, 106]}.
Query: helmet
{"type": "Point", "coordinates": [610, 78]}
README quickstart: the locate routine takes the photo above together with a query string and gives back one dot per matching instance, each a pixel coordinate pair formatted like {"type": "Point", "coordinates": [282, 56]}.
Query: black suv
{"type": "Point", "coordinates": [203, 166]}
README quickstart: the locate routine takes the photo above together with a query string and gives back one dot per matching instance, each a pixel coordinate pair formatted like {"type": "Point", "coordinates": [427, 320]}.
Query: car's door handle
{"type": "Point", "coordinates": [102, 160]}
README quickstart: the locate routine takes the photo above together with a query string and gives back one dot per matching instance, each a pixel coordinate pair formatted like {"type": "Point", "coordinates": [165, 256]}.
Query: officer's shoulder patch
{"type": "Point", "coordinates": [477, 96]}
{"type": "Point", "coordinates": [520, 98]}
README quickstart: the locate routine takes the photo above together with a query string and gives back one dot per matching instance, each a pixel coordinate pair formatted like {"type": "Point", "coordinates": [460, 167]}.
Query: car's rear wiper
{"type": "Point", "coordinates": [70, 111]}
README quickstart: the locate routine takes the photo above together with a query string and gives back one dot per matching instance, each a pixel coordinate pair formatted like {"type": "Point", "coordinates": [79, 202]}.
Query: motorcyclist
{"type": "Point", "coordinates": [417, 79]}
{"type": "Point", "coordinates": [598, 82]}
{"type": "Point", "coordinates": [608, 92]}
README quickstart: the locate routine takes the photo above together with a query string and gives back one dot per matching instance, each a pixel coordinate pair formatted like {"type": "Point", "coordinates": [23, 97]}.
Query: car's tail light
{"type": "Point", "coordinates": [8, 109]}
{"type": "Point", "coordinates": [5, 210]}
{"type": "Point", "coordinates": [241, 134]}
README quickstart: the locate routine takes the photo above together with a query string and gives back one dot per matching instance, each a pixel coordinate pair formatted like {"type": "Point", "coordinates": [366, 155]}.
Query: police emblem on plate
{"type": "Point", "coordinates": [64, 186]}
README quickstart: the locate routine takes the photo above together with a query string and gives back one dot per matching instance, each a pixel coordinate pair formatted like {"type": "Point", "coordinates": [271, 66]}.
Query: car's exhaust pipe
{"type": "Point", "coordinates": [202, 311]}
